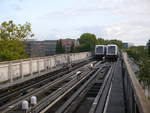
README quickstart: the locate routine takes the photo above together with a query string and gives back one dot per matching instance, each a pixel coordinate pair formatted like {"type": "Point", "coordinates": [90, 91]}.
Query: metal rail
{"type": "Point", "coordinates": [37, 92]}
{"type": "Point", "coordinates": [62, 92]}
{"type": "Point", "coordinates": [74, 101]}
{"type": "Point", "coordinates": [24, 89]}
{"type": "Point", "coordinates": [68, 91]}
{"type": "Point", "coordinates": [57, 95]}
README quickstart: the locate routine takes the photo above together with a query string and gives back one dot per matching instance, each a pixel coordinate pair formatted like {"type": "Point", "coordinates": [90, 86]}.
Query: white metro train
{"type": "Point", "coordinates": [100, 51]}
{"type": "Point", "coordinates": [109, 52]}
{"type": "Point", "coordinates": [112, 52]}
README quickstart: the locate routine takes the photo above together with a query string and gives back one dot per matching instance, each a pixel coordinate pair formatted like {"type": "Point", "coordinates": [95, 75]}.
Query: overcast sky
{"type": "Point", "coordinates": [127, 20]}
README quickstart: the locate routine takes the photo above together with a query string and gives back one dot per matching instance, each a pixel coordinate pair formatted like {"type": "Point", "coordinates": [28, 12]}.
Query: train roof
{"type": "Point", "coordinates": [100, 45]}
{"type": "Point", "coordinates": [112, 45]}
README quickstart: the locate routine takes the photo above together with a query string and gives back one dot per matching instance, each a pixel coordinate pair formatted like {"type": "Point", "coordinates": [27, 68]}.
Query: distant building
{"type": "Point", "coordinates": [148, 44]}
{"type": "Point", "coordinates": [127, 45]}
{"type": "Point", "coordinates": [34, 48]}
{"type": "Point", "coordinates": [40, 48]}
{"type": "Point", "coordinates": [68, 43]}
{"type": "Point", "coordinates": [50, 47]}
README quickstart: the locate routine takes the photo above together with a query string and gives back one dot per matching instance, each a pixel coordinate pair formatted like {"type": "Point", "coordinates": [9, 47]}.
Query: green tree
{"type": "Point", "coordinates": [59, 48]}
{"type": "Point", "coordinates": [117, 42]}
{"type": "Point", "coordinates": [137, 52]}
{"type": "Point", "coordinates": [101, 41]}
{"type": "Point", "coordinates": [140, 54]}
{"type": "Point", "coordinates": [11, 40]}
{"type": "Point", "coordinates": [144, 74]}
{"type": "Point", "coordinates": [105, 42]}
{"type": "Point", "coordinates": [87, 42]}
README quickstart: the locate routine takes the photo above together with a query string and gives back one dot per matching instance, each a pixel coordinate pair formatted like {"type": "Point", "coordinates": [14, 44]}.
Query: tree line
{"type": "Point", "coordinates": [87, 42]}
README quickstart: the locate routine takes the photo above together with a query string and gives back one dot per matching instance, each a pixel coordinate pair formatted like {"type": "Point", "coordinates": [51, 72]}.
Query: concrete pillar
{"type": "Point", "coordinates": [45, 66]}
{"type": "Point", "coordinates": [55, 61]}
{"type": "Point", "coordinates": [21, 68]}
{"type": "Point", "coordinates": [31, 72]}
{"type": "Point", "coordinates": [38, 65]}
{"type": "Point", "coordinates": [71, 58]}
{"type": "Point", "coordinates": [61, 59]}
{"type": "Point", "coordinates": [68, 58]}
{"type": "Point", "coordinates": [50, 62]}
{"type": "Point", "coordinates": [10, 71]}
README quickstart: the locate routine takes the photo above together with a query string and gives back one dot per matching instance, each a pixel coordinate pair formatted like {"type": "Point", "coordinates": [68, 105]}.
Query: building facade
{"type": "Point", "coordinates": [50, 47]}
{"type": "Point", "coordinates": [40, 48]}
{"type": "Point", "coordinates": [127, 45]}
{"type": "Point", "coordinates": [69, 43]}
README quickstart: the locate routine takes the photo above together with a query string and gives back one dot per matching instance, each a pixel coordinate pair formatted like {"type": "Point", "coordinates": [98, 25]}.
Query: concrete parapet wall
{"type": "Point", "coordinates": [12, 70]}
{"type": "Point", "coordinates": [136, 100]}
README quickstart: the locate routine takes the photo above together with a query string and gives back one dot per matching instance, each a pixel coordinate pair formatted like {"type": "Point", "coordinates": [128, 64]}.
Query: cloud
{"type": "Point", "coordinates": [16, 7]}
{"type": "Point", "coordinates": [128, 20]}
{"type": "Point", "coordinates": [139, 34]}
{"type": "Point", "coordinates": [97, 30]}
{"type": "Point", "coordinates": [127, 32]}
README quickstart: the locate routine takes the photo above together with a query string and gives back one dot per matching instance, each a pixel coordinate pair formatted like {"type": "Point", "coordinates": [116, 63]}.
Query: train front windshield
{"type": "Point", "coordinates": [111, 49]}
{"type": "Point", "coordinates": [99, 50]}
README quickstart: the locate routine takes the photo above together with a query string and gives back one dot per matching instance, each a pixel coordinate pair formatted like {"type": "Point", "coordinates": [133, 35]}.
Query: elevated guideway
{"type": "Point", "coordinates": [104, 87]}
